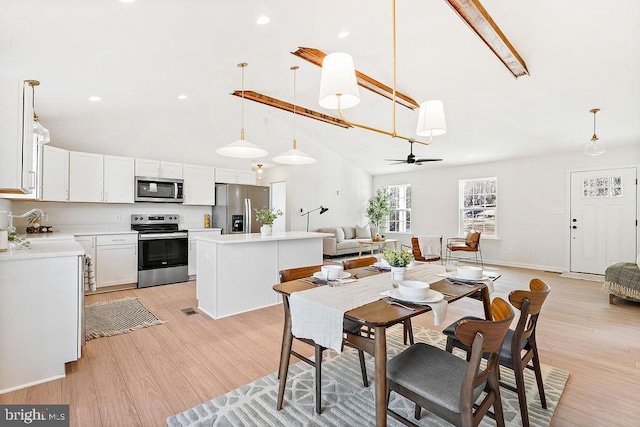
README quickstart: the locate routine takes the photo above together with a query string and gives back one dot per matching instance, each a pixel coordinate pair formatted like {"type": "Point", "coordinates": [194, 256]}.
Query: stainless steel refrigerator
{"type": "Point", "coordinates": [234, 208]}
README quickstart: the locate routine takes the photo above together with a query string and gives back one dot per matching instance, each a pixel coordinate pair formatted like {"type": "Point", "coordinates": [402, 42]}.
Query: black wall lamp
{"type": "Point", "coordinates": [322, 210]}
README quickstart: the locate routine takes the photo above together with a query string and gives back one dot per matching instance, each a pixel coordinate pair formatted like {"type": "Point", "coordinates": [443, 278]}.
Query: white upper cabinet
{"type": "Point", "coordinates": [55, 174]}
{"type": "Point", "coordinates": [199, 183]}
{"type": "Point", "coordinates": [118, 179]}
{"type": "Point", "coordinates": [235, 176]}
{"type": "Point", "coordinates": [86, 171]}
{"type": "Point", "coordinates": [100, 178]}
{"type": "Point", "coordinates": [18, 161]}
{"type": "Point", "coordinates": [158, 169]}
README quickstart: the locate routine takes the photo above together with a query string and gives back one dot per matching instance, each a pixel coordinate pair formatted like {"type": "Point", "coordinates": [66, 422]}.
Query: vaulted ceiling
{"type": "Point", "coordinates": [140, 56]}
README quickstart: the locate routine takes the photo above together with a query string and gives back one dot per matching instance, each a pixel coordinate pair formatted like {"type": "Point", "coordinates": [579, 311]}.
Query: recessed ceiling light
{"type": "Point", "coordinates": [343, 34]}
{"type": "Point", "coordinates": [263, 20]}
{"type": "Point", "coordinates": [95, 98]}
{"type": "Point", "coordinates": [182, 96]}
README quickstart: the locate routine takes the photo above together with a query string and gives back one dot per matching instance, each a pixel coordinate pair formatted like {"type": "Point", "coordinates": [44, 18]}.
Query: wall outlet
{"type": "Point", "coordinates": [45, 217]}
{"type": "Point", "coordinates": [510, 250]}
{"type": "Point", "coordinates": [118, 217]}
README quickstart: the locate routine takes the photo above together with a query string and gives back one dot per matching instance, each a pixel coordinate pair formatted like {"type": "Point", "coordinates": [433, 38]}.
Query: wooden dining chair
{"type": "Point", "coordinates": [365, 262]}
{"type": "Point", "coordinates": [468, 244]}
{"type": "Point", "coordinates": [348, 326]}
{"type": "Point", "coordinates": [447, 385]}
{"type": "Point", "coordinates": [520, 345]}
{"type": "Point", "coordinates": [359, 262]}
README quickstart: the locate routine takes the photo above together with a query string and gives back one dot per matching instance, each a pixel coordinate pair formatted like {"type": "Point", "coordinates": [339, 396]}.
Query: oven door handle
{"type": "Point", "coordinates": [160, 236]}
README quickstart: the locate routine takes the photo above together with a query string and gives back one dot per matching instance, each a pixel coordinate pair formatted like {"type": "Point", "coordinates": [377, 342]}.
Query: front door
{"type": "Point", "coordinates": [603, 219]}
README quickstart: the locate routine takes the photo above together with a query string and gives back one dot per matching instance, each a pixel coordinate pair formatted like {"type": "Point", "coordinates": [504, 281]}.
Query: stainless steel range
{"type": "Point", "coordinates": [162, 249]}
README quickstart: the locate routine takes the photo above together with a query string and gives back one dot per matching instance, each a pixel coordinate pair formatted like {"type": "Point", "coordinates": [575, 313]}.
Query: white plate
{"type": "Point", "coordinates": [434, 296]}
{"type": "Point", "coordinates": [318, 275]}
{"type": "Point", "coordinates": [451, 276]}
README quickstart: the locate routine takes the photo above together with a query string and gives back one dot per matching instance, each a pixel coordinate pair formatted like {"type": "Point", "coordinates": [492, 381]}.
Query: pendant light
{"type": "Point", "coordinates": [40, 133]}
{"type": "Point", "coordinates": [339, 90]}
{"type": "Point", "coordinates": [242, 148]}
{"type": "Point", "coordinates": [294, 156]}
{"type": "Point", "coordinates": [594, 147]}
{"type": "Point", "coordinates": [259, 172]}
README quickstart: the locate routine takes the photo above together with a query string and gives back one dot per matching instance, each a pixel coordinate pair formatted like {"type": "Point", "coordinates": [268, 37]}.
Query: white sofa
{"type": "Point", "coordinates": [345, 239]}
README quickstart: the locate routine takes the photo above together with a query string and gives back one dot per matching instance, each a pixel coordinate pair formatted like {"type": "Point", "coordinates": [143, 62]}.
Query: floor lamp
{"type": "Point", "coordinates": [322, 210]}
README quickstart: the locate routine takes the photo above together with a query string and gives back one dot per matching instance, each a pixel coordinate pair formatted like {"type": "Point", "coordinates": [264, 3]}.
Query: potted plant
{"type": "Point", "coordinates": [398, 260]}
{"type": "Point", "coordinates": [378, 209]}
{"type": "Point", "coordinates": [266, 216]}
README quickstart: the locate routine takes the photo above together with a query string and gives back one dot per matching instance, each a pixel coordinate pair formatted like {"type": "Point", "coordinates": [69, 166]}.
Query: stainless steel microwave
{"type": "Point", "coordinates": [164, 190]}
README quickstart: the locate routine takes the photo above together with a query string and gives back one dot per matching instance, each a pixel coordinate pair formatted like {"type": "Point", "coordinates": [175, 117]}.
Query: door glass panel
{"type": "Point", "coordinates": [610, 186]}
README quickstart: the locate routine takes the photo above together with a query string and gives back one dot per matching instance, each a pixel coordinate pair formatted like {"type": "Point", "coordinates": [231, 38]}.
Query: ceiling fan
{"type": "Point", "coordinates": [411, 159]}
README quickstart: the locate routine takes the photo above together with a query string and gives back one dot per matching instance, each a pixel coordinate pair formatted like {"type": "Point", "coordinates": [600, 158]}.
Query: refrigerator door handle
{"type": "Point", "coordinates": [249, 222]}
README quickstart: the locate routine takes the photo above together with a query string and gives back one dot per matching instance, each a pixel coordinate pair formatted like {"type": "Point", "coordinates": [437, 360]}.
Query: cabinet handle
{"type": "Point", "coordinates": [160, 172]}
{"type": "Point", "coordinates": [106, 196]}
{"type": "Point", "coordinates": [33, 180]}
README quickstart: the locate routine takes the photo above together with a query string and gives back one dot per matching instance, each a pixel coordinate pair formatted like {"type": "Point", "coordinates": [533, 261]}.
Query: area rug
{"type": "Point", "coordinates": [345, 402]}
{"type": "Point", "coordinates": [583, 276]}
{"type": "Point", "coordinates": [107, 318]}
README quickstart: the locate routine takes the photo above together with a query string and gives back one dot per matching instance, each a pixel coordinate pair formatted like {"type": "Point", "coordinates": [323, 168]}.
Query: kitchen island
{"type": "Point", "coordinates": [236, 272]}
{"type": "Point", "coordinates": [41, 306]}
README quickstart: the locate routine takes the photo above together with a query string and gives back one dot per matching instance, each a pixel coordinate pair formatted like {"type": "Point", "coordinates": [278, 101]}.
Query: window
{"type": "Point", "coordinates": [478, 206]}
{"type": "Point", "coordinates": [400, 202]}
{"type": "Point", "coordinates": [607, 186]}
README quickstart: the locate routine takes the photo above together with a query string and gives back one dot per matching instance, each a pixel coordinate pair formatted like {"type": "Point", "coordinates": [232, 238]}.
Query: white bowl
{"type": "Point", "coordinates": [413, 289]}
{"type": "Point", "coordinates": [332, 272]}
{"type": "Point", "coordinates": [468, 272]}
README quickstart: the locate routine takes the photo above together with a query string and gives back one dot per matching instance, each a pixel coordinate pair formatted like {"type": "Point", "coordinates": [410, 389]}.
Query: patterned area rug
{"type": "Point", "coordinates": [583, 276]}
{"type": "Point", "coordinates": [345, 402]}
{"type": "Point", "coordinates": [107, 318]}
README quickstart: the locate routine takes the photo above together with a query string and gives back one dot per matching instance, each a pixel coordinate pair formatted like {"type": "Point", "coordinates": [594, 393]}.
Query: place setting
{"type": "Point", "coordinates": [417, 293]}
{"type": "Point", "coordinates": [332, 275]}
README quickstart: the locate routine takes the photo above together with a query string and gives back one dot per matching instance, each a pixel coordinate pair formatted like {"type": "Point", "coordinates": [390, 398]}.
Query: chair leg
{"type": "Point", "coordinates": [416, 412]}
{"type": "Point", "coordinates": [318, 363]}
{"type": "Point", "coordinates": [449, 347]}
{"type": "Point", "coordinates": [363, 368]}
{"type": "Point", "coordinates": [538, 372]}
{"type": "Point", "coordinates": [408, 332]}
{"type": "Point", "coordinates": [497, 403]}
{"type": "Point", "coordinates": [522, 393]}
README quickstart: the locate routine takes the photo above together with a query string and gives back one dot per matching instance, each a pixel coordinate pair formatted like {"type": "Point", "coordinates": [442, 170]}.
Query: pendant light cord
{"type": "Point", "coordinates": [294, 68]}
{"type": "Point", "coordinates": [242, 65]}
{"type": "Point", "coordinates": [394, 67]}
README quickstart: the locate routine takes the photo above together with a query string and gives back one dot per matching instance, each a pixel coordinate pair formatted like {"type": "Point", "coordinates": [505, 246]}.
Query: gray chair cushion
{"type": "Point", "coordinates": [450, 330]}
{"type": "Point", "coordinates": [351, 326]}
{"type": "Point", "coordinates": [432, 373]}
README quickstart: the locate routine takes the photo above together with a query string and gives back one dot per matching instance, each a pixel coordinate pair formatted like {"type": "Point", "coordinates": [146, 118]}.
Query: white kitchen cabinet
{"type": "Point", "coordinates": [193, 244]}
{"type": "Point", "coordinates": [55, 174]}
{"type": "Point", "coordinates": [86, 177]}
{"type": "Point", "coordinates": [158, 169]}
{"type": "Point", "coordinates": [118, 179]}
{"type": "Point", "coordinates": [235, 176]}
{"type": "Point", "coordinates": [88, 243]}
{"type": "Point", "coordinates": [99, 178]}
{"type": "Point", "coordinates": [19, 162]}
{"type": "Point", "coordinates": [116, 259]}
{"type": "Point", "coordinates": [199, 185]}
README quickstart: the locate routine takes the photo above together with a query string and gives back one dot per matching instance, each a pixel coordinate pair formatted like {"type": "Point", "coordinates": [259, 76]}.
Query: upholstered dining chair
{"type": "Point", "coordinates": [519, 346]}
{"type": "Point", "coordinates": [468, 244]}
{"type": "Point", "coordinates": [365, 262]}
{"type": "Point", "coordinates": [348, 326]}
{"type": "Point", "coordinates": [447, 385]}
{"type": "Point", "coordinates": [432, 245]}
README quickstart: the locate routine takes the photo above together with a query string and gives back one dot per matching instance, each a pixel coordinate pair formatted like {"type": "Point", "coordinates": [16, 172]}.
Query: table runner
{"type": "Point", "coordinates": [318, 313]}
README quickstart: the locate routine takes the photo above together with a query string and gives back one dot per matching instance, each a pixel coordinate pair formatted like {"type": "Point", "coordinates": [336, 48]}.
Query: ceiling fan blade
{"type": "Point", "coordinates": [428, 160]}
{"type": "Point", "coordinates": [395, 160]}
{"type": "Point", "coordinates": [398, 162]}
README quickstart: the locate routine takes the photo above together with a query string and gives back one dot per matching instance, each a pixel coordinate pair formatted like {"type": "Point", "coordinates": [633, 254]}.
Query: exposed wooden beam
{"type": "Point", "coordinates": [478, 19]}
{"type": "Point", "coordinates": [316, 56]}
{"type": "Point", "coordinates": [302, 111]}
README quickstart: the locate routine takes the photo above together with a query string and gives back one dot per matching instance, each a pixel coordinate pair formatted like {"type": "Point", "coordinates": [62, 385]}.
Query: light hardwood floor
{"type": "Point", "coordinates": [142, 377]}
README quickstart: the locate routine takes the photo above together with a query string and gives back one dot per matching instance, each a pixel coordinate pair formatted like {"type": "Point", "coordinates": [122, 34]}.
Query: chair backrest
{"type": "Point", "coordinates": [359, 262]}
{"type": "Point", "coordinates": [298, 273]}
{"type": "Point", "coordinates": [529, 303]}
{"type": "Point", "coordinates": [473, 239]}
{"type": "Point", "coordinates": [485, 338]}
{"type": "Point", "coordinates": [419, 256]}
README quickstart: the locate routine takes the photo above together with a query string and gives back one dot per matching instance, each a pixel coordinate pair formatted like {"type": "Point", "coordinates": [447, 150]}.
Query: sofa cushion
{"type": "Point", "coordinates": [347, 244]}
{"type": "Point", "coordinates": [349, 232]}
{"type": "Point", "coordinates": [363, 232]}
{"type": "Point", "coordinates": [339, 234]}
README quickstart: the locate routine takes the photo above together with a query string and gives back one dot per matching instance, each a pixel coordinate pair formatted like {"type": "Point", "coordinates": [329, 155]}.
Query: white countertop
{"type": "Point", "coordinates": [101, 232]}
{"type": "Point", "coordinates": [203, 229]}
{"type": "Point", "coordinates": [47, 237]}
{"type": "Point", "coordinates": [258, 238]}
{"type": "Point", "coordinates": [43, 249]}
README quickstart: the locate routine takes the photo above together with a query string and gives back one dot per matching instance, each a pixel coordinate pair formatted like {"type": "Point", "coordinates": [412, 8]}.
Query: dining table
{"type": "Point", "coordinates": [378, 316]}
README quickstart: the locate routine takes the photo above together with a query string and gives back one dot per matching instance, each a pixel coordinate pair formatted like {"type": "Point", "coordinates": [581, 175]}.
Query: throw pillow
{"type": "Point", "coordinates": [339, 234]}
{"type": "Point", "coordinates": [349, 232]}
{"type": "Point", "coordinates": [363, 232]}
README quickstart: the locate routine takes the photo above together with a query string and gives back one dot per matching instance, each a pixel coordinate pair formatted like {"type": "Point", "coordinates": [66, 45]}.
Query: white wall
{"type": "Point", "coordinates": [331, 182]}
{"type": "Point", "coordinates": [528, 190]}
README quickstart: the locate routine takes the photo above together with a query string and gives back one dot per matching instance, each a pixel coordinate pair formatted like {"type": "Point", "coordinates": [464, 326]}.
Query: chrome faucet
{"type": "Point", "coordinates": [13, 235]}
